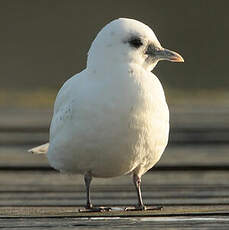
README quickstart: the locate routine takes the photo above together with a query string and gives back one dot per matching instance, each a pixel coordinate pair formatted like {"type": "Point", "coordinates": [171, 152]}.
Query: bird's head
{"type": "Point", "coordinates": [128, 41]}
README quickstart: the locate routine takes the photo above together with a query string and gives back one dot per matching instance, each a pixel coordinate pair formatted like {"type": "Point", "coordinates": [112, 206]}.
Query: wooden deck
{"type": "Point", "coordinates": [190, 182]}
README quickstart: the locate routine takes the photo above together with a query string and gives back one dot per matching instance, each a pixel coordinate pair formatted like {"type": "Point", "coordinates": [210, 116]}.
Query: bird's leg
{"type": "Point", "coordinates": [137, 183]}
{"type": "Point", "coordinates": [89, 207]}
{"type": "Point", "coordinates": [140, 206]}
{"type": "Point", "coordinates": [87, 180]}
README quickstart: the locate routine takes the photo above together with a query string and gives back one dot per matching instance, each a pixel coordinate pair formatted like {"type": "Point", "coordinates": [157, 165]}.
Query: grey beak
{"type": "Point", "coordinates": [164, 54]}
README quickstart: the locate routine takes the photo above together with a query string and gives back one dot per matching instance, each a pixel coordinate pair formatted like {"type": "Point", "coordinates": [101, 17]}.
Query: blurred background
{"type": "Point", "coordinates": [43, 43]}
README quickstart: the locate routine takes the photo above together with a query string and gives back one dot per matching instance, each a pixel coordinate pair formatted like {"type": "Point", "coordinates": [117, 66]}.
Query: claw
{"type": "Point", "coordinates": [95, 209]}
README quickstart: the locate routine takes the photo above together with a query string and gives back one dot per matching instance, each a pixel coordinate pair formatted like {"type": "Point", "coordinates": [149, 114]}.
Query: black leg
{"type": "Point", "coordinates": [89, 207]}
{"type": "Point", "coordinates": [137, 183]}
{"type": "Point", "coordinates": [87, 180]}
{"type": "Point", "coordinates": [140, 206]}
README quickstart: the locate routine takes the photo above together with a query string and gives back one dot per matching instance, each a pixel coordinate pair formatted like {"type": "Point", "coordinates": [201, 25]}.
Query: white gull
{"type": "Point", "coordinates": [112, 118]}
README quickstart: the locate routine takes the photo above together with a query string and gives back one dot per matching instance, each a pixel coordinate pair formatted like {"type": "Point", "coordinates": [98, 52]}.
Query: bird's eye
{"type": "Point", "coordinates": [135, 42]}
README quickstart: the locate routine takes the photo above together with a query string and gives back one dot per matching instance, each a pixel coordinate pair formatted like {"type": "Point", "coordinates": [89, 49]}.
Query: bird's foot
{"type": "Point", "coordinates": [95, 209]}
{"type": "Point", "coordinates": [143, 208]}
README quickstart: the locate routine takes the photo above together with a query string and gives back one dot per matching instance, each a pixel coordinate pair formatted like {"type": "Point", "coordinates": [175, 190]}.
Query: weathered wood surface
{"type": "Point", "coordinates": [190, 181]}
{"type": "Point", "coordinates": [190, 115]}
{"type": "Point", "coordinates": [38, 188]}
{"type": "Point", "coordinates": [36, 199]}
{"type": "Point", "coordinates": [189, 124]}
{"type": "Point", "coordinates": [41, 200]}
{"type": "Point", "coordinates": [69, 212]}
{"type": "Point", "coordinates": [169, 223]}
{"type": "Point", "coordinates": [174, 156]}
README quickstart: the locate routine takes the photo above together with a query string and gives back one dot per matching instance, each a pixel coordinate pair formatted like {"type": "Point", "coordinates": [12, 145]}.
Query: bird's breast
{"type": "Point", "coordinates": [123, 123]}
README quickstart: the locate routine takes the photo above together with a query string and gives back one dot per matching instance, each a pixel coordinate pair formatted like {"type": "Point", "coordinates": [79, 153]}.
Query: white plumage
{"type": "Point", "coordinates": [112, 118]}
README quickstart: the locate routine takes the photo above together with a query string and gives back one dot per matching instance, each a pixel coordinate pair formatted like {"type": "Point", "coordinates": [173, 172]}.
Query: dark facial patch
{"type": "Point", "coordinates": [151, 50]}
{"type": "Point", "coordinates": [135, 42]}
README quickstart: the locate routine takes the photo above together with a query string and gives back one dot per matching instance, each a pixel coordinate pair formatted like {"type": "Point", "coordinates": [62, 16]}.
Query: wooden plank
{"type": "Point", "coordinates": [155, 222]}
{"type": "Point", "coordinates": [190, 115]}
{"type": "Point", "coordinates": [69, 218]}
{"type": "Point", "coordinates": [32, 180]}
{"type": "Point", "coordinates": [174, 155]}
{"type": "Point", "coordinates": [18, 156]}
{"type": "Point", "coordinates": [15, 139]}
{"type": "Point", "coordinates": [41, 200]}
{"type": "Point", "coordinates": [188, 124]}
{"type": "Point", "coordinates": [197, 155]}
{"type": "Point", "coordinates": [73, 212]}
{"type": "Point", "coordinates": [111, 192]}
{"type": "Point", "coordinates": [30, 136]}
{"type": "Point", "coordinates": [123, 200]}
{"type": "Point", "coordinates": [168, 188]}
{"type": "Point", "coordinates": [52, 189]}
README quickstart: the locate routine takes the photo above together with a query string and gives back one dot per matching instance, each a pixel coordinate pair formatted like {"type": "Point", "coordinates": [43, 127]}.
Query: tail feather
{"type": "Point", "coordinates": [41, 149]}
